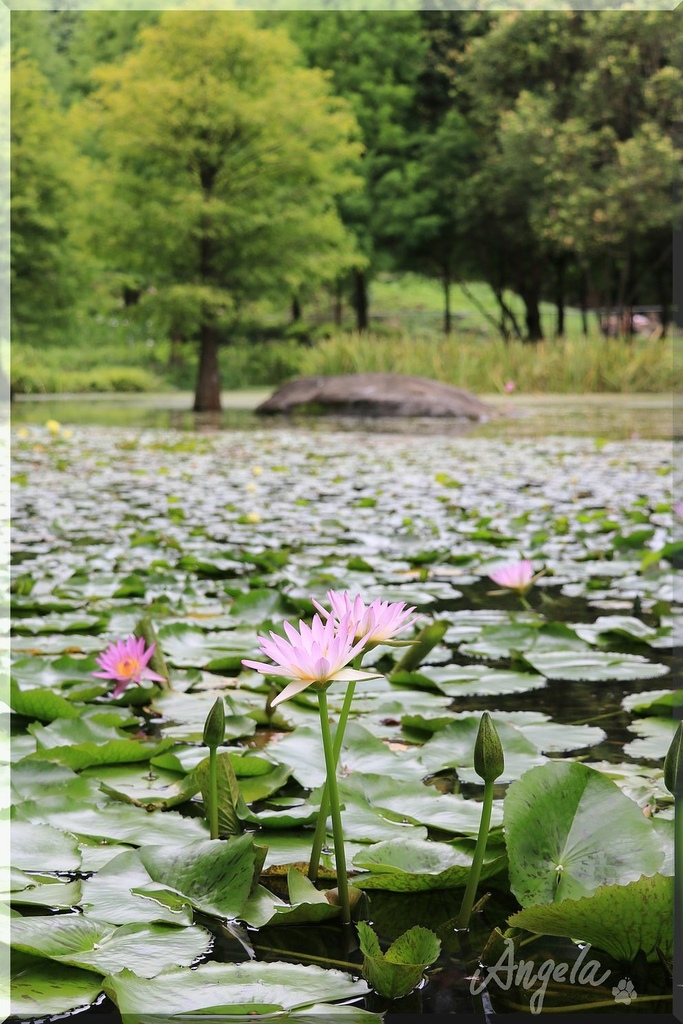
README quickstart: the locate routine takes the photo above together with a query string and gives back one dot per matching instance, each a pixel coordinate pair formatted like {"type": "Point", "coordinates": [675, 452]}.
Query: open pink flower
{"type": "Point", "coordinates": [377, 622]}
{"type": "Point", "coordinates": [509, 386]}
{"type": "Point", "coordinates": [518, 576]}
{"type": "Point", "coordinates": [312, 656]}
{"type": "Point", "coordinates": [126, 662]}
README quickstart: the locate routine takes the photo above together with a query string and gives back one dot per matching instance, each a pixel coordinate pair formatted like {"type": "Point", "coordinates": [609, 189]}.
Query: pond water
{"type": "Point", "coordinates": [600, 416]}
{"type": "Point", "coordinates": [218, 528]}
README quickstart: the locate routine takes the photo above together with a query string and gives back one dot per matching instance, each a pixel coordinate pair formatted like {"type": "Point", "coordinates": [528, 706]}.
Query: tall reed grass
{"type": "Point", "coordinates": [592, 364]}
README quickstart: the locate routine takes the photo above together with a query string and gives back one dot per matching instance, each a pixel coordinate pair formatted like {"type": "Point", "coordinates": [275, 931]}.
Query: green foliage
{"type": "Point", "coordinates": [397, 972]}
{"type": "Point", "coordinates": [46, 270]}
{"type": "Point", "coordinates": [572, 366]}
{"type": "Point", "coordinates": [27, 378]}
{"type": "Point", "coordinates": [211, 110]}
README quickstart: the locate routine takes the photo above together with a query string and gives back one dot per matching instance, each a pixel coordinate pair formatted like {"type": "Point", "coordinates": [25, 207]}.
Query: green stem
{"type": "Point", "coordinates": [213, 792]}
{"type": "Point", "coordinates": [331, 769]}
{"type": "Point", "coordinates": [321, 824]}
{"type": "Point", "coordinates": [463, 920]}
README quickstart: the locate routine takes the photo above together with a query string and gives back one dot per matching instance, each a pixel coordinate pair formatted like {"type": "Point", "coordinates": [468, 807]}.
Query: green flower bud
{"type": "Point", "coordinates": [214, 727]}
{"type": "Point", "coordinates": [488, 750]}
{"type": "Point", "coordinates": [673, 764]}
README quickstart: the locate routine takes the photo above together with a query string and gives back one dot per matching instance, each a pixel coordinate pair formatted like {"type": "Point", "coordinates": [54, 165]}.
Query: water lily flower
{"type": "Point", "coordinates": [313, 655]}
{"type": "Point", "coordinates": [378, 622]}
{"type": "Point", "coordinates": [509, 386]}
{"type": "Point", "coordinates": [53, 426]}
{"type": "Point", "coordinates": [518, 576]}
{"type": "Point", "coordinates": [678, 509]}
{"type": "Point", "coordinates": [126, 662]}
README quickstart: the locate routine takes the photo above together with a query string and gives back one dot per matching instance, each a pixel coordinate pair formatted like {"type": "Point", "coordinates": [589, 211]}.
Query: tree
{"type": "Point", "coordinates": [375, 59]}
{"type": "Point", "coordinates": [223, 161]}
{"type": "Point", "coordinates": [46, 267]}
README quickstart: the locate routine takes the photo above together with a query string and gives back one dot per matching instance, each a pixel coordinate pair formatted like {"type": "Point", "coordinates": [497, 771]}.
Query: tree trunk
{"type": "Point", "coordinates": [360, 295]}
{"type": "Point", "coordinates": [559, 297]}
{"type": "Point", "coordinates": [208, 394]}
{"type": "Point", "coordinates": [534, 331]}
{"type": "Point", "coordinates": [447, 317]}
{"type": "Point", "coordinates": [296, 309]}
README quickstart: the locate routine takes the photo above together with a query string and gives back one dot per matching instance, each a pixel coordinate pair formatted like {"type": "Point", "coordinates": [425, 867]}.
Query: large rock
{"type": "Point", "coordinates": [377, 394]}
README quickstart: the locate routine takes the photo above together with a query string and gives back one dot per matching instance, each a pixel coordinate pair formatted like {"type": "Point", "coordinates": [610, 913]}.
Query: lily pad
{"type": "Point", "coordinates": [398, 971]}
{"type": "Point", "coordinates": [40, 987]}
{"type": "Point", "coordinates": [621, 920]}
{"type": "Point", "coordinates": [84, 942]}
{"type": "Point", "coordinates": [250, 987]}
{"type": "Point", "coordinates": [594, 666]}
{"type": "Point", "coordinates": [407, 865]}
{"type": "Point", "coordinates": [560, 821]}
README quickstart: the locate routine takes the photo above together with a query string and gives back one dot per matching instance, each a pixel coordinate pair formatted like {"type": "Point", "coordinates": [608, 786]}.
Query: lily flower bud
{"type": "Point", "coordinates": [489, 761]}
{"type": "Point", "coordinates": [214, 727]}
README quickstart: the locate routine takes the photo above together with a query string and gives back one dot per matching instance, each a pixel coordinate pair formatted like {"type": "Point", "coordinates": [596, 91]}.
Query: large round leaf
{"type": "Point", "coordinates": [570, 830]}
{"type": "Point", "coordinates": [40, 987]}
{"type": "Point", "coordinates": [619, 919]}
{"type": "Point", "coordinates": [42, 848]}
{"type": "Point", "coordinates": [408, 865]}
{"type": "Point", "coordinates": [84, 942]}
{"type": "Point", "coordinates": [251, 987]}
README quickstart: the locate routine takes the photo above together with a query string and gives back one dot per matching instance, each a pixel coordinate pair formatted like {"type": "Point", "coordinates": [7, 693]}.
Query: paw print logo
{"type": "Point", "coordinates": [624, 992]}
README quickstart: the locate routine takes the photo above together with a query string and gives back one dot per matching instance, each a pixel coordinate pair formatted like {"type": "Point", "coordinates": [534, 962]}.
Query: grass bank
{"type": "Point", "coordinates": [572, 366]}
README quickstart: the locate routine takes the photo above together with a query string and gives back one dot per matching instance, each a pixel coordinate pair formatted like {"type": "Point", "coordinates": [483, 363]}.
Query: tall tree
{"type": "Point", "coordinates": [224, 161]}
{"type": "Point", "coordinates": [46, 267]}
{"type": "Point", "coordinates": [375, 59]}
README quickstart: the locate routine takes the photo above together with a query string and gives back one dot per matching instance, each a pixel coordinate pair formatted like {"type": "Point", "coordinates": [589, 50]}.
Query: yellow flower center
{"type": "Point", "coordinates": [128, 667]}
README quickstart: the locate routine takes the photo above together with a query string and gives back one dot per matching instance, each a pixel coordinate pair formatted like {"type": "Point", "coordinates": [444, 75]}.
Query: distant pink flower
{"type": "Point", "coordinates": [678, 509]}
{"type": "Point", "coordinates": [377, 622]}
{"type": "Point", "coordinates": [126, 662]}
{"type": "Point", "coordinates": [312, 656]}
{"type": "Point", "coordinates": [518, 576]}
{"type": "Point", "coordinates": [509, 386]}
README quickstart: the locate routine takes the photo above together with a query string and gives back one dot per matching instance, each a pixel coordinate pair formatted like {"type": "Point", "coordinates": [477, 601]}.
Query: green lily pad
{"type": "Point", "coordinates": [251, 987]}
{"type": "Point", "coordinates": [398, 971]}
{"type": "Point", "coordinates": [619, 919]}
{"type": "Point", "coordinates": [560, 822]}
{"type": "Point", "coordinates": [496, 642]}
{"type": "Point", "coordinates": [407, 865]}
{"type": "Point", "coordinates": [215, 875]}
{"type": "Point", "coordinates": [594, 666]}
{"type": "Point", "coordinates": [42, 891]}
{"type": "Point", "coordinates": [654, 738]}
{"type": "Point", "coordinates": [143, 785]}
{"type": "Point", "coordinates": [95, 946]}
{"type": "Point", "coordinates": [122, 892]}
{"type": "Point", "coordinates": [39, 847]}
{"type": "Point", "coordinates": [40, 987]}
{"type": "Point", "coordinates": [122, 822]}
{"type": "Point", "coordinates": [40, 703]}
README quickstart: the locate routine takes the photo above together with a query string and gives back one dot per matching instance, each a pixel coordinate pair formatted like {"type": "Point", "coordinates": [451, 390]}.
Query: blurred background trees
{"type": "Point", "coordinates": [199, 173]}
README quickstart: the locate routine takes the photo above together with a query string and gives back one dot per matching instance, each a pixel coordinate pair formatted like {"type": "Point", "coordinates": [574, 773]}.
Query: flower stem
{"type": "Point", "coordinates": [331, 769]}
{"type": "Point", "coordinates": [321, 824]}
{"type": "Point", "coordinates": [213, 791]}
{"type": "Point", "coordinates": [463, 920]}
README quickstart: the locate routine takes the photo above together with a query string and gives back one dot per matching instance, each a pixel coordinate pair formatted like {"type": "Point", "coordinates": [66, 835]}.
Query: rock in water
{"type": "Point", "coordinates": [376, 394]}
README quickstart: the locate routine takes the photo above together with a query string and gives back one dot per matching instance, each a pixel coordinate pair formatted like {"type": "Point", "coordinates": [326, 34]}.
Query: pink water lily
{"type": "Point", "coordinates": [377, 622]}
{"type": "Point", "coordinates": [126, 662]}
{"type": "Point", "coordinates": [678, 509]}
{"type": "Point", "coordinates": [518, 576]}
{"type": "Point", "coordinates": [312, 655]}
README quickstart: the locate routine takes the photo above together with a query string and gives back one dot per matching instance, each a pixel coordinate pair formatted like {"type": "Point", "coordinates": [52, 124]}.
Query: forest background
{"type": "Point", "coordinates": [228, 199]}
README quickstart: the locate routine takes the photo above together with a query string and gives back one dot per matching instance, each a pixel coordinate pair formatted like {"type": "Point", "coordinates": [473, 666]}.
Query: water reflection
{"type": "Point", "coordinates": [608, 417]}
